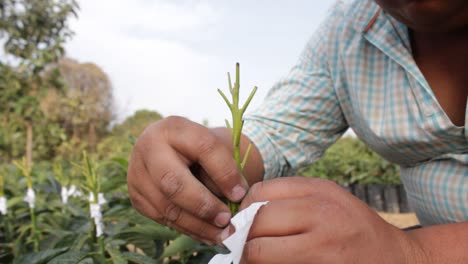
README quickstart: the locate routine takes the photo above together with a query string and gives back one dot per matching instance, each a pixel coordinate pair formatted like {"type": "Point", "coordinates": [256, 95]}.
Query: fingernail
{"type": "Point", "coordinates": [238, 192]}
{"type": "Point", "coordinates": [224, 234]}
{"type": "Point", "coordinates": [222, 219]}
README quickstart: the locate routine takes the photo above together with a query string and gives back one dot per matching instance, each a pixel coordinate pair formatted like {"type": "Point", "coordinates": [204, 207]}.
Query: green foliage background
{"type": "Point", "coordinates": [350, 161]}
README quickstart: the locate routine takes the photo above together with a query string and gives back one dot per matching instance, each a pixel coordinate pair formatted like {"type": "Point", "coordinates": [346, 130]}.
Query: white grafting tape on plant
{"type": "Point", "coordinates": [95, 211]}
{"type": "Point", "coordinates": [3, 205]}
{"type": "Point", "coordinates": [101, 199]}
{"type": "Point", "coordinates": [64, 195]}
{"type": "Point", "coordinates": [74, 192]}
{"type": "Point", "coordinates": [70, 192]}
{"type": "Point", "coordinates": [30, 197]}
{"type": "Point", "coordinates": [242, 222]}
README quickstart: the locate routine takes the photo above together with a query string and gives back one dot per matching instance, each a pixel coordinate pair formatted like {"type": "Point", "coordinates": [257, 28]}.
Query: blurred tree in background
{"type": "Point", "coordinates": [33, 33]}
{"type": "Point", "coordinates": [123, 135]}
{"type": "Point", "coordinates": [86, 108]}
{"type": "Point", "coordinates": [135, 124]}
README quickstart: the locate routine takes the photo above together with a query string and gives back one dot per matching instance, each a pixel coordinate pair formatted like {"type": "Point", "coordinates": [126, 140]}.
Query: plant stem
{"type": "Point", "coordinates": [93, 232]}
{"type": "Point", "coordinates": [34, 229]}
{"type": "Point", "coordinates": [101, 249]}
{"type": "Point", "coordinates": [8, 228]}
{"type": "Point", "coordinates": [237, 124]}
{"type": "Point", "coordinates": [25, 167]}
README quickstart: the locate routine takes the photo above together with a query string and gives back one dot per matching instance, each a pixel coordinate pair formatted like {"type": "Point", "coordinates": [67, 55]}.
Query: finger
{"type": "Point", "coordinates": [164, 211]}
{"type": "Point", "coordinates": [200, 145]}
{"type": "Point", "coordinates": [283, 218]}
{"type": "Point", "coordinates": [137, 177]}
{"type": "Point", "coordinates": [272, 250]}
{"type": "Point", "coordinates": [178, 219]}
{"type": "Point", "coordinates": [144, 205]}
{"type": "Point", "coordinates": [203, 177]}
{"type": "Point", "coordinates": [290, 187]}
{"type": "Point", "coordinates": [180, 187]}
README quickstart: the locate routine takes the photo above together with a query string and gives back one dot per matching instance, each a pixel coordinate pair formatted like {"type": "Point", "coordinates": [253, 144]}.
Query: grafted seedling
{"type": "Point", "coordinates": [92, 184]}
{"type": "Point", "coordinates": [237, 125]}
{"type": "Point", "coordinates": [30, 198]}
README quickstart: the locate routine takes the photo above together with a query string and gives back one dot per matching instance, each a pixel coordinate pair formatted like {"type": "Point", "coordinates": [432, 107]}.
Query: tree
{"type": "Point", "coordinates": [135, 124]}
{"type": "Point", "coordinates": [119, 143]}
{"type": "Point", "coordinates": [87, 108]}
{"type": "Point", "coordinates": [34, 32]}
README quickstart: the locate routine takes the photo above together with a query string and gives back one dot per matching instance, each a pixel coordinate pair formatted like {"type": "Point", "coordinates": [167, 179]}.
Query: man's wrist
{"type": "Point", "coordinates": [438, 244]}
{"type": "Point", "coordinates": [413, 250]}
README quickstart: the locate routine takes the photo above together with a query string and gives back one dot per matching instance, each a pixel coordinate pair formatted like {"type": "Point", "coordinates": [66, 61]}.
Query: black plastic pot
{"type": "Point", "coordinates": [375, 196]}
{"type": "Point", "coordinates": [403, 201]}
{"type": "Point", "coordinates": [360, 192]}
{"type": "Point", "coordinates": [391, 199]}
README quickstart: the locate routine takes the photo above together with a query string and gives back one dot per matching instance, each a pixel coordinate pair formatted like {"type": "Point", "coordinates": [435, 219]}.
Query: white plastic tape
{"type": "Point", "coordinates": [242, 221]}
{"type": "Point", "coordinates": [3, 205]}
{"type": "Point", "coordinates": [30, 197]}
{"type": "Point", "coordinates": [101, 199]}
{"type": "Point", "coordinates": [95, 211]}
{"type": "Point", "coordinates": [69, 192]}
{"type": "Point", "coordinates": [64, 195]}
{"type": "Point", "coordinates": [74, 192]}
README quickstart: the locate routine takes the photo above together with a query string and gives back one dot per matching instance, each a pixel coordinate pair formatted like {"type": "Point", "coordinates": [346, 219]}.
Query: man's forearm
{"type": "Point", "coordinates": [254, 170]}
{"type": "Point", "coordinates": [441, 244]}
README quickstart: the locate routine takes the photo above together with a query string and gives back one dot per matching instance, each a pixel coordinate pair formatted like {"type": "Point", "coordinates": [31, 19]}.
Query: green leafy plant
{"type": "Point", "coordinates": [2, 183]}
{"type": "Point", "coordinates": [349, 161]}
{"type": "Point", "coordinates": [237, 124]}
{"type": "Point", "coordinates": [93, 186]}
{"type": "Point", "coordinates": [25, 169]}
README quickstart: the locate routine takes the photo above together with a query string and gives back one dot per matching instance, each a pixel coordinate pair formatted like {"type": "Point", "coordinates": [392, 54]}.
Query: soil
{"type": "Point", "coordinates": [400, 220]}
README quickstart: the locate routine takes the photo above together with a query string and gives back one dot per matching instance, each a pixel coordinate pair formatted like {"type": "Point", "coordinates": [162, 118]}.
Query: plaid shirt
{"type": "Point", "coordinates": [358, 71]}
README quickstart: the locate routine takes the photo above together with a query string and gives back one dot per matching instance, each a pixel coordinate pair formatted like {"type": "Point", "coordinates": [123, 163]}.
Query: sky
{"type": "Point", "coordinates": [171, 55]}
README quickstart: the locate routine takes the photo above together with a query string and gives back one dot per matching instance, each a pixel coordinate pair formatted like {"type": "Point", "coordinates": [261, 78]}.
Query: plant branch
{"type": "Point", "coordinates": [237, 124]}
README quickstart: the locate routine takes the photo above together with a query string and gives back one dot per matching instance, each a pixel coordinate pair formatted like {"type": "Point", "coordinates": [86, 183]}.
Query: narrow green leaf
{"type": "Point", "coordinates": [229, 82]}
{"type": "Point", "coordinates": [79, 243]}
{"type": "Point", "coordinates": [246, 104]}
{"type": "Point", "coordinates": [138, 258]}
{"type": "Point", "coordinates": [179, 245]}
{"type": "Point", "coordinates": [246, 155]}
{"type": "Point", "coordinates": [152, 232]}
{"type": "Point", "coordinates": [40, 257]}
{"type": "Point", "coordinates": [228, 125]}
{"type": "Point", "coordinates": [116, 256]}
{"type": "Point", "coordinates": [225, 98]}
{"type": "Point", "coordinates": [70, 257]}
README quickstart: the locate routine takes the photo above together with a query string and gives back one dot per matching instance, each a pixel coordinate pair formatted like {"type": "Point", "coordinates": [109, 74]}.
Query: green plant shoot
{"type": "Point", "coordinates": [25, 169]}
{"type": "Point", "coordinates": [2, 182]}
{"type": "Point", "coordinates": [237, 124]}
{"type": "Point", "coordinates": [93, 186]}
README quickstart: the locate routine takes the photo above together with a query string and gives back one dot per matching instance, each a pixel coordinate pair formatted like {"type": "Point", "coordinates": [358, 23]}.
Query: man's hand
{"type": "Point", "coordinates": [161, 180]}
{"type": "Point", "coordinates": [315, 221]}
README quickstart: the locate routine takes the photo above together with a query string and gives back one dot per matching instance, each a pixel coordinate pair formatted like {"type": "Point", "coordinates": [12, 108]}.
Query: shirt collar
{"type": "Point", "coordinates": [366, 13]}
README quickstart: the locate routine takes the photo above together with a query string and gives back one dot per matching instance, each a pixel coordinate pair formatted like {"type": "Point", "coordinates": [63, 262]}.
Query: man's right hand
{"type": "Point", "coordinates": [176, 168]}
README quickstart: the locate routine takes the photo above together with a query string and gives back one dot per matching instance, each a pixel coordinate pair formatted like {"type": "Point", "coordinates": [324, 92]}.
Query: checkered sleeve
{"type": "Point", "coordinates": [300, 116]}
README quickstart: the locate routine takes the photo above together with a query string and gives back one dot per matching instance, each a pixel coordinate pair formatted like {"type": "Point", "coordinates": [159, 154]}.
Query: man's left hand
{"type": "Point", "coordinates": [316, 221]}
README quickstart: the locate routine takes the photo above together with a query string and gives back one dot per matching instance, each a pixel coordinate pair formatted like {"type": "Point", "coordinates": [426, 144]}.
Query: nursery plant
{"type": "Point", "coordinates": [237, 114]}
{"type": "Point", "coordinates": [67, 232]}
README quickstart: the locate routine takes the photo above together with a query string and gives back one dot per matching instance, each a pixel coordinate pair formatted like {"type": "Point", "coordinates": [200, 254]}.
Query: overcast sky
{"type": "Point", "coordinates": [171, 55]}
